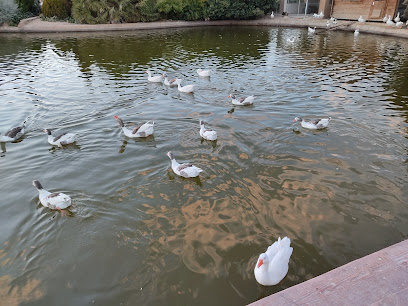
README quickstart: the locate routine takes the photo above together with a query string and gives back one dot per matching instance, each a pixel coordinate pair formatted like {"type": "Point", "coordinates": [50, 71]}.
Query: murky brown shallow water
{"type": "Point", "coordinates": [139, 235]}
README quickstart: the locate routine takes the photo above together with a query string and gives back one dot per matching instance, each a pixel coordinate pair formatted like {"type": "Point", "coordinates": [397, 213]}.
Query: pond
{"type": "Point", "coordinates": [136, 233]}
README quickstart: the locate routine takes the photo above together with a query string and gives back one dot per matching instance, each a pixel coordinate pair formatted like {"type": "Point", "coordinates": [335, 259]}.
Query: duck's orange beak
{"type": "Point", "coordinates": [260, 263]}
{"type": "Point", "coordinates": [294, 120]}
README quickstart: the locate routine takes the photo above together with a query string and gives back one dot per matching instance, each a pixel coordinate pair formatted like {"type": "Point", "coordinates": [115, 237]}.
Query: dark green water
{"type": "Point", "coordinates": [139, 235]}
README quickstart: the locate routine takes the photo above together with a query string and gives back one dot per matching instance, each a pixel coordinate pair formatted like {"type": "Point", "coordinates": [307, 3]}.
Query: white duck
{"type": "Point", "coordinates": [143, 130]}
{"type": "Point", "coordinates": [273, 265]}
{"type": "Point", "coordinates": [56, 200]}
{"type": "Point", "coordinates": [186, 88]}
{"type": "Point", "coordinates": [385, 19]}
{"type": "Point", "coordinates": [154, 78]}
{"type": "Point", "coordinates": [61, 139]}
{"type": "Point", "coordinates": [314, 124]}
{"type": "Point", "coordinates": [390, 22]}
{"type": "Point", "coordinates": [242, 101]}
{"type": "Point", "coordinates": [356, 32]}
{"type": "Point", "coordinates": [311, 30]}
{"type": "Point", "coordinates": [335, 21]}
{"type": "Point", "coordinates": [184, 170]}
{"type": "Point", "coordinates": [399, 24]}
{"type": "Point", "coordinates": [328, 23]}
{"type": "Point", "coordinates": [170, 83]}
{"type": "Point", "coordinates": [203, 73]}
{"type": "Point", "coordinates": [207, 134]}
{"type": "Point", "coordinates": [361, 19]}
{"type": "Point", "coordinates": [14, 133]}
{"type": "Point", "coordinates": [272, 15]}
{"type": "Point", "coordinates": [397, 19]}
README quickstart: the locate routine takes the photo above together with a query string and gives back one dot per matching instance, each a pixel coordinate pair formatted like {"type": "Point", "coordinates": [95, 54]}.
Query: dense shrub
{"type": "Point", "coordinates": [405, 13]}
{"type": "Point", "coordinates": [58, 8]}
{"type": "Point", "coordinates": [115, 11]}
{"type": "Point", "coordinates": [148, 10]}
{"type": "Point", "coordinates": [105, 11]}
{"type": "Point", "coordinates": [8, 9]}
{"type": "Point", "coordinates": [31, 6]}
{"type": "Point", "coordinates": [12, 12]}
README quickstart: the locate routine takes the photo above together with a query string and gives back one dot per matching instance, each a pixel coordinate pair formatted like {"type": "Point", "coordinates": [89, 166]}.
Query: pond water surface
{"type": "Point", "coordinates": [137, 234]}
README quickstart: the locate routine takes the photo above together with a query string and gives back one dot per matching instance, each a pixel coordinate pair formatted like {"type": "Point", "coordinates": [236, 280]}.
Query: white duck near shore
{"type": "Point", "coordinates": [140, 131]}
{"type": "Point", "coordinates": [311, 30]}
{"type": "Point", "coordinates": [61, 139]}
{"type": "Point", "coordinates": [184, 170]}
{"type": "Point", "coordinates": [316, 124]}
{"type": "Point", "coordinates": [55, 200]}
{"type": "Point", "coordinates": [207, 134]}
{"type": "Point", "coordinates": [13, 134]}
{"type": "Point", "coordinates": [242, 101]}
{"type": "Point", "coordinates": [273, 265]}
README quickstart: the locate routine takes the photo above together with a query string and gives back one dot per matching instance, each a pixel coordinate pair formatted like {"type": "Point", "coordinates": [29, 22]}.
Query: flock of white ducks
{"type": "Point", "coordinates": [271, 266]}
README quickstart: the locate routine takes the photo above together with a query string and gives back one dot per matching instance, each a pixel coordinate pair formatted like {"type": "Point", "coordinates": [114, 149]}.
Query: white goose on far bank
{"type": "Point", "coordinates": [361, 19]}
{"type": "Point", "coordinates": [140, 131]}
{"type": "Point", "coordinates": [14, 133]}
{"type": "Point", "coordinates": [313, 124]}
{"type": "Point", "coordinates": [60, 139]}
{"type": "Point", "coordinates": [397, 19]}
{"type": "Point", "coordinates": [273, 265]}
{"type": "Point", "coordinates": [184, 170]}
{"type": "Point", "coordinates": [55, 200]}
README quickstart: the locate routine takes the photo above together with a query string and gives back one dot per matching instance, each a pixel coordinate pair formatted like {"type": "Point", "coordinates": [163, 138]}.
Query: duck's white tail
{"type": "Point", "coordinates": [284, 247]}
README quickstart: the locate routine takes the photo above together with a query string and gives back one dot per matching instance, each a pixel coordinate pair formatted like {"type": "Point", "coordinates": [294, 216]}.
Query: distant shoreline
{"type": "Point", "coordinates": [36, 25]}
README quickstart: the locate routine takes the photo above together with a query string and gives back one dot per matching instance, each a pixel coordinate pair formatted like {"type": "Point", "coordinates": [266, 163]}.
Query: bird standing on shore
{"type": "Point", "coordinates": [361, 19]}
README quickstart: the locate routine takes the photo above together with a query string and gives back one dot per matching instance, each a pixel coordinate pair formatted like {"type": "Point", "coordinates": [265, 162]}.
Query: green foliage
{"type": "Point", "coordinates": [32, 6]}
{"type": "Point", "coordinates": [116, 11]}
{"type": "Point", "coordinates": [405, 13]}
{"type": "Point", "coordinates": [237, 9]}
{"type": "Point", "coordinates": [148, 10]}
{"type": "Point", "coordinates": [11, 13]}
{"type": "Point", "coordinates": [105, 11]}
{"type": "Point", "coordinates": [58, 8]}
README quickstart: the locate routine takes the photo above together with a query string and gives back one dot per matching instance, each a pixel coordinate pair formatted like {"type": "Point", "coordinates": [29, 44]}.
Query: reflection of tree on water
{"type": "Point", "coordinates": [175, 46]}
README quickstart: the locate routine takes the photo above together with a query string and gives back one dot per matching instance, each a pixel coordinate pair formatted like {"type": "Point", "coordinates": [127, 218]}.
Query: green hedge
{"type": "Point", "coordinates": [58, 8]}
{"type": "Point", "coordinates": [117, 11]}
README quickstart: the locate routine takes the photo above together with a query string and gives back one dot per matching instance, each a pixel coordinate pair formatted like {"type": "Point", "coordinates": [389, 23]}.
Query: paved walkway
{"type": "Point", "coordinates": [380, 278]}
{"type": "Point", "coordinates": [36, 25]}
